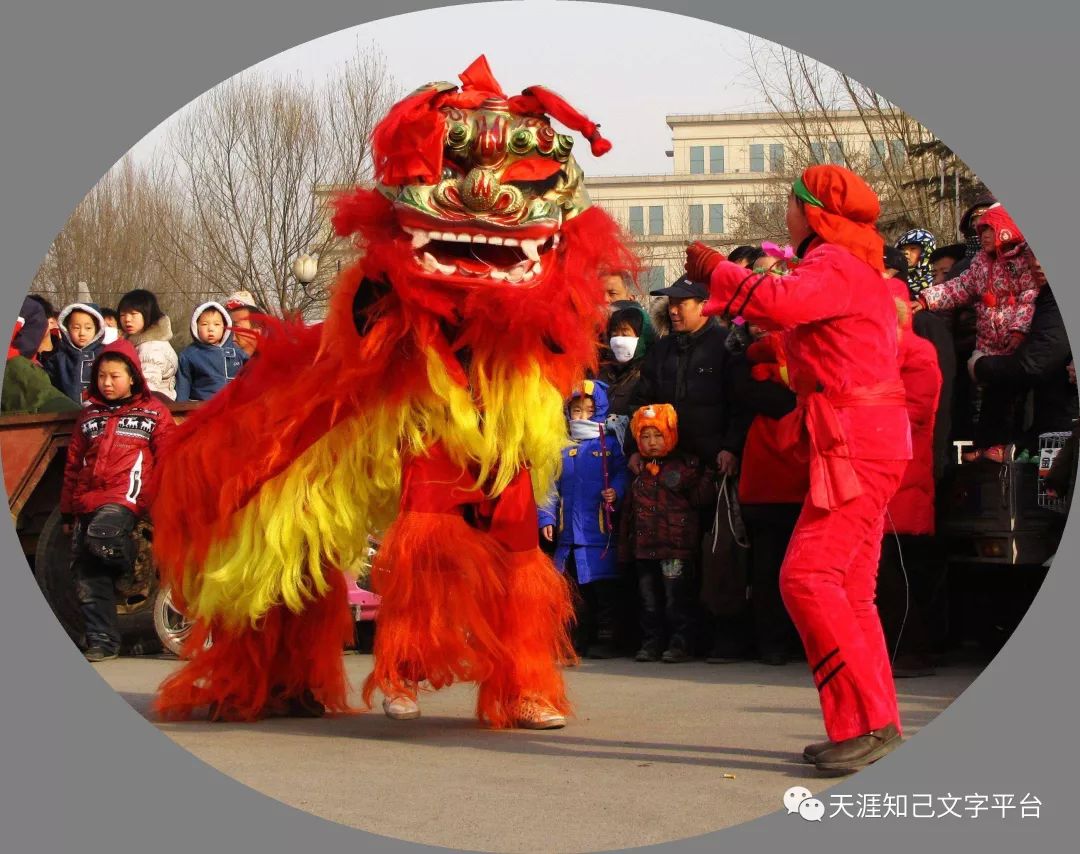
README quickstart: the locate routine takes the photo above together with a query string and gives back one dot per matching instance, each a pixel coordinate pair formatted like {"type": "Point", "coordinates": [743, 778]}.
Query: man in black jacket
{"type": "Point", "coordinates": [693, 370]}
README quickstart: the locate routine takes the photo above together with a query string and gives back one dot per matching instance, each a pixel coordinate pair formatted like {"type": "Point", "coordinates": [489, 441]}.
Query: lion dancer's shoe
{"type": "Point", "coordinates": [291, 665]}
{"type": "Point", "coordinates": [467, 595]}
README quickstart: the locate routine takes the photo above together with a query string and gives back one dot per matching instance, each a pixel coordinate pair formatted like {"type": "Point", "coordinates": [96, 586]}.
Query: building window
{"type": "Point", "coordinates": [716, 219]}
{"type": "Point", "coordinates": [836, 153]}
{"type": "Point", "coordinates": [716, 159]}
{"type": "Point", "coordinates": [899, 150]}
{"type": "Point", "coordinates": [697, 219]}
{"type": "Point", "coordinates": [636, 222]}
{"type": "Point", "coordinates": [877, 153]}
{"type": "Point", "coordinates": [757, 158]}
{"type": "Point", "coordinates": [817, 152]}
{"type": "Point", "coordinates": [776, 157]}
{"type": "Point", "coordinates": [697, 159]}
{"type": "Point", "coordinates": [656, 219]}
{"type": "Point", "coordinates": [653, 279]}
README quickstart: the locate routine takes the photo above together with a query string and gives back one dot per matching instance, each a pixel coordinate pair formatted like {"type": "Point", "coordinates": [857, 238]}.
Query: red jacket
{"type": "Point", "coordinates": [771, 472]}
{"type": "Point", "coordinates": [841, 337]}
{"type": "Point", "coordinates": [113, 447]}
{"type": "Point", "coordinates": [911, 510]}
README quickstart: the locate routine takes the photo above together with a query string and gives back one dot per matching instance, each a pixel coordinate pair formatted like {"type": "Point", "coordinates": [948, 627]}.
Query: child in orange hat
{"type": "Point", "coordinates": [661, 532]}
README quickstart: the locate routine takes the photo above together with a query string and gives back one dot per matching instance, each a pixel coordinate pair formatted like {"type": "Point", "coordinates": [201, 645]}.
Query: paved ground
{"type": "Point", "coordinates": [645, 761]}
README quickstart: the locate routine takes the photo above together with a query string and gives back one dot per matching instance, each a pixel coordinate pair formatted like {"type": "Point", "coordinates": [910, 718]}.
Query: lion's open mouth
{"type": "Point", "coordinates": [480, 256]}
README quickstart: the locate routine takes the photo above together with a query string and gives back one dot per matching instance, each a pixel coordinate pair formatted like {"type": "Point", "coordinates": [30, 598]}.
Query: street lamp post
{"type": "Point", "coordinates": [305, 268]}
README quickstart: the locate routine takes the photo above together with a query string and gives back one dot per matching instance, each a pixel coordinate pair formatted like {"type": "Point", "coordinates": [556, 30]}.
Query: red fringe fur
{"type": "Point", "coordinates": [458, 607]}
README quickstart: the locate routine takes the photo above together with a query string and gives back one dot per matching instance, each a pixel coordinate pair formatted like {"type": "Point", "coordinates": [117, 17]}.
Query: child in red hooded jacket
{"type": "Point", "coordinates": [1002, 283]}
{"type": "Point", "coordinates": [110, 462]}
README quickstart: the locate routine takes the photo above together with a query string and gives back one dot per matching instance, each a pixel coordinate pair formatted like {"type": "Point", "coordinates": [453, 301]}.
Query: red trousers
{"type": "Point", "coordinates": [828, 581]}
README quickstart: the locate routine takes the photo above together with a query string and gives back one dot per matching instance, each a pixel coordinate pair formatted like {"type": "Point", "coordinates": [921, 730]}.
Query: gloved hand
{"type": "Point", "coordinates": [701, 260]}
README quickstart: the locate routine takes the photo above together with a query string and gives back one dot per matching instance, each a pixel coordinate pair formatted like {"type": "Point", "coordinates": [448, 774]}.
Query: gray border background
{"type": "Point", "coordinates": [82, 81]}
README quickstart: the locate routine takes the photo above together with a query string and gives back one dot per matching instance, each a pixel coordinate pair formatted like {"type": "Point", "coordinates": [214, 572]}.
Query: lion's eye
{"type": "Point", "coordinates": [521, 141]}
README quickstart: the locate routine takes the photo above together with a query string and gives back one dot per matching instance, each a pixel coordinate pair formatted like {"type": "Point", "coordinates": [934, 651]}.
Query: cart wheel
{"type": "Point", "coordinates": [171, 624]}
{"type": "Point", "coordinates": [52, 569]}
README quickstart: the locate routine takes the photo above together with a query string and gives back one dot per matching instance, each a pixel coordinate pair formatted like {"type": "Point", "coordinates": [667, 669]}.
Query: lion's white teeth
{"type": "Point", "coordinates": [479, 238]}
{"type": "Point", "coordinates": [510, 241]}
{"type": "Point", "coordinates": [529, 248]}
{"type": "Point", "coordinates": [431, 265]}
{"type": "Point", "coordinates": [495, 241]}
{"type": "Point", "coordinates": [420, 239]}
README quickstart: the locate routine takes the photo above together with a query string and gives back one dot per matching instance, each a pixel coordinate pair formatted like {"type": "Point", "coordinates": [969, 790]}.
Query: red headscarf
{"type": "Point", "coordinates": [848, 213]}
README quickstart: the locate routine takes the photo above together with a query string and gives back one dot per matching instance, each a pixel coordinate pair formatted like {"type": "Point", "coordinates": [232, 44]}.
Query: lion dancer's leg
{"type": "Point", "coordinates": [290, 663]}
{"type": "Point", "coordinates": [526, 688]}
{"type": "Point", "coordinates": [467, 595]}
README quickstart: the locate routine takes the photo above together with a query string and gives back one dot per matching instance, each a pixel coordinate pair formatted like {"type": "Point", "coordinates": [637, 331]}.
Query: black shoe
{"type": "Point", "coordinates": [774, 658]}
{"type": "Point", "coordinates": [603, 651]}
{"type": "Point", "coordinates": [97, 653]}
{"type": "Point", "coordinates": [304, 706]}
{"type": "Point", "coordinates": [647, 654]}
{"type": "Point", "coordinates": [811, 751]}
{"type": "Point", "coordinates": [675, 655]}
{"type": "Point", "coordinates": [853, 754]}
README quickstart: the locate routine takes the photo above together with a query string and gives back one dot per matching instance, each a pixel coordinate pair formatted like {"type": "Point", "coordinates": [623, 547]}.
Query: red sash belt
{"type": "Point", "coordinates": [833, 481]}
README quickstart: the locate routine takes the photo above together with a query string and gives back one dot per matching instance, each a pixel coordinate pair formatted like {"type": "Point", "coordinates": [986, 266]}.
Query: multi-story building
{"type": "Point", "coordinates": [722, 164]}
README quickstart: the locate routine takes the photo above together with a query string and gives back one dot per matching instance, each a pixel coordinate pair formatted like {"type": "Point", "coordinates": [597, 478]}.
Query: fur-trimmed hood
{"type": "Point", "coordinates": [160, 331]}
{"type": "Point", "coordinates": [220, 309]}
{"type": "Point", "coordinates": [85, 308]}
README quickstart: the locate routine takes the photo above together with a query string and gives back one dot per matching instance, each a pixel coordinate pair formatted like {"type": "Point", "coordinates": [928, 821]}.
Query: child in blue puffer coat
{"type": "Point", "coordinates": [580, 517]}
{"type": "Point", "coordinates": [212, 359]}
{"type": "Point", "coordinates": [82, 330]}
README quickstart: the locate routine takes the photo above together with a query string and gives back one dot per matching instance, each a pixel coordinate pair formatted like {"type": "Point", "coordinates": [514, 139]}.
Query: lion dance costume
{"type": "Point", "coordinates": [426, 409]}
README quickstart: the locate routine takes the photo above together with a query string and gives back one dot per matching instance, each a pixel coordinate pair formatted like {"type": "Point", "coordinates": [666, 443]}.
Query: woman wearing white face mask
{"type": "Point", "coordinates": [630, 334]}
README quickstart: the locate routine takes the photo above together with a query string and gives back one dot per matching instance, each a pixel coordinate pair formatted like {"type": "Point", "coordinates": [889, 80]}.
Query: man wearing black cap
{"type": "Point", "coordinates": [693, 370]}
{"type": "Point", "coordinates": [969, 230]}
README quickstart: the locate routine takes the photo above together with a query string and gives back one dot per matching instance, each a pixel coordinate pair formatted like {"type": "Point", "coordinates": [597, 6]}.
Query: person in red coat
{"type": "Point", "coordinates": [840, 340]}
{"type": "Point", "coordinates": [108, 485]}
{"type": "Point", "coordinates": [909, 571]}
{"type": "Point", "coordinates": [772, 487]}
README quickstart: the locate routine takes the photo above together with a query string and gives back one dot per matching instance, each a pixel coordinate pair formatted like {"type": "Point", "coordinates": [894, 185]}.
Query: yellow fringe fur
{"type": "Point", "coordinates": [318, 513]}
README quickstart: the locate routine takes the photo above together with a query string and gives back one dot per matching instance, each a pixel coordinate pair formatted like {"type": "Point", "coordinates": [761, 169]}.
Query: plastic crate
{"type": "Point", "coordinates": [1049, 445]}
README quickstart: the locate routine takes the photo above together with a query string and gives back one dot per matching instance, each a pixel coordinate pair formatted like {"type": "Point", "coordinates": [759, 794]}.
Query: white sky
{"type": "Point", "coordinates": [625, 68]}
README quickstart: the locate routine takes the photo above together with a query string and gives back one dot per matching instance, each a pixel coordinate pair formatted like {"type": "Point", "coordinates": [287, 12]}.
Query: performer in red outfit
{"type": "Point", "coordinates": [841, 347]}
